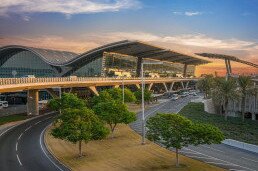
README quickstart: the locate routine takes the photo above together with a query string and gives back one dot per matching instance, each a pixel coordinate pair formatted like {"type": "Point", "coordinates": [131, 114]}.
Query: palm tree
{"type": "Point", "coordinates": [205, 85]}
{"type": "Point", "coordinates": [245, 83]}
{"type": "Point", "coordinates": [225, 91]}
{"type": "Point", "coordinates": [253, 92]}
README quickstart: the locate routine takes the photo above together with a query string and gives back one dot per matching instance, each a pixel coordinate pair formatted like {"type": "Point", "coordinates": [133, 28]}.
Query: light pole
{"type": "Point", "coordinates": [123, 87]}
{"type": "Point", "coordinates": [143, 114]}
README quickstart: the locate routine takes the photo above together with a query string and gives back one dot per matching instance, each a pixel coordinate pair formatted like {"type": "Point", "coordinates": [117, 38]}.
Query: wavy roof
{"type": "Point", "coordinates": [127, 47]}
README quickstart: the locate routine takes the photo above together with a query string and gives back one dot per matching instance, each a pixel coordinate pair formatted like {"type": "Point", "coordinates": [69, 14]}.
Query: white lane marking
{"type": "Point", "coordinates": [250, 159]}
{"type": "Point", "coordinates": [37, 122]}
{"type": "Point", "coordinates": [7, 130]}
{"type": "Point", "coordinates": [226, 164]}
{"type": "Point", "coordinates": [20, 136]}
{"type": "Point", "coordinates": [219, 159]}
{"type": "Point", "coordinates": [151, 112]}
{"type": "Point", "coordinates": [18, 159]}
{"type": "Point", "coordinates": [41, 146]}
{"type": "Point", "coordinates": [27, 128]}
{"type": "Point", "coordinates": [205, 146]}
{"type": "Point", "coordinates": [200, 157]}
{"type": "Point", "coordinates": [16, 146]}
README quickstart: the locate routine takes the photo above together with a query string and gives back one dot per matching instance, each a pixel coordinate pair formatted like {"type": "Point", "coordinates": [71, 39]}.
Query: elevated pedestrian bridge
{"type": "Point", "coordinates": [33, 85]}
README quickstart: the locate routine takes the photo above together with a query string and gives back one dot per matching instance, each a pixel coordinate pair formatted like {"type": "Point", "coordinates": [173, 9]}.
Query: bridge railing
{"type": "Point", "coordinates": [11, 81]}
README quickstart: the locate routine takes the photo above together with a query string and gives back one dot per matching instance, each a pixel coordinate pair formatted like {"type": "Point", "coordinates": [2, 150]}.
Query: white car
{"type": "Point", "coordinates": [174, 97]}
{"type": "Point", "coordinates": [3, 104]}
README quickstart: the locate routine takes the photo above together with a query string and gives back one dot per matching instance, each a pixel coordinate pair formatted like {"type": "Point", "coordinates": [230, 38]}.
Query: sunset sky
{"type": "Point", "coordinates": [188, 26]}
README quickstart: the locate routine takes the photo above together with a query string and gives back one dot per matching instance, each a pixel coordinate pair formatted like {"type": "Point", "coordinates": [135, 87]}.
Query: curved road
{"type": "Point", "coordinates": [221, 155]}
{"type": "Point", "coordinates": [22, 147]}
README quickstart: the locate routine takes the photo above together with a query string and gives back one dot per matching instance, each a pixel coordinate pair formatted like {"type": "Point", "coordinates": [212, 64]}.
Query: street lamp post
{"type": "Point", "coordinates": [123, 87]}
{"type": "Point", "coordinates": [142, 81]}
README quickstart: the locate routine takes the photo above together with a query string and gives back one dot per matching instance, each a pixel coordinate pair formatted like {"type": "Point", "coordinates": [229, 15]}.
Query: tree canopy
{"type": "Point", "coordinates": [147, 95]}
{"type": "Point", "coordinates": [205, 85]}
{"type": "Point", "coordinates": [68, 100]}
{"type": "Point", "coordinates": [173, 130]}
{"type": "Point", "coordinates": [77, 125]}
{"type": "Point", "coordinates": [113, 113]}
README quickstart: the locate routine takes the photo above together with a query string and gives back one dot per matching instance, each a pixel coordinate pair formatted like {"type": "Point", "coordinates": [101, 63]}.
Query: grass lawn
{"type": "Point", "coordinates": [234, 128]}
{"type": "Point", "coordinates": [12, 118]}
{"type": "Point", "coordinates": [123, 152]}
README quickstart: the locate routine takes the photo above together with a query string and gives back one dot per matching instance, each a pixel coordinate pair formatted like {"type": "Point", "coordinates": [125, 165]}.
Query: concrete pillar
{"type": "Point", "coordinates": [171, 86]}
{"type": "Point", "coordinates": [166, 88]}
{"type": "Point", "coordinates": [150, 86]}
{"type": "Point", "coordinates": [185, 70]}
{"type": "Point", "coordinates": [182, 84]}
{"type": "Point", "coordinates": [139, 65]}
{"type": "Point", "coordinates": [187, 83]}
{"type": "Point", "coordinates": [52, 93]}
{"type": "Point", "coordinates": [94, 90]}
{"type": "Point", "coordinates": [138, 86]}
{"type": "Point", "coordinates": [33, 102]}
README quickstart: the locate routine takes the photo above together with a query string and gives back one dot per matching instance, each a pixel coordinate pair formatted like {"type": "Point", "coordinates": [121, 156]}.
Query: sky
{"type": "Point", "coordinates": [188, 26]}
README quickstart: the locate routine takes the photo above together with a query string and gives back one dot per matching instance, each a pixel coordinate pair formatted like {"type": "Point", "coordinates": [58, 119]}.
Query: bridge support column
{"type": "Point", "coordinates": [139, 66]}
{"type": "Point", "coordinates": [187, 83]}
{"type": "Point", "coordinates": [166, 88]}
{"type": "Point", "coordinates": [52, 93]}
{"type": "Point", "coordinates": [185, 70]}
{"type": "Point", "coordinates": [150, 86]}
{"type": "Point", "coordinates": [228, 67]}
{"type": "Point", "coordinates": [33, 102]}
{"type": "Point", "coordinates": [138, 86]}
{"type": "Point", "coordinates": [171, 86]}
{"type": "Point", "coordinates": [182, 84]}
{"type": "Point", "coordinates": [94, 90]}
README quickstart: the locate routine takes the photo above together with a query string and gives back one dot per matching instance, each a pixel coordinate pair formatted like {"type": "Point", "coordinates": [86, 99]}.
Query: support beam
{"type": "Point", "coordinates": [138, 86]}
{"type": "Point", "coordinates": [171, 86]}
{"type": "Point", "coordinates": [32, 102]}
{"type": "Point", "coordinates": [52, 93]}
{"type": "Point", "coordinates": [187, 83]}
{"type": "Point", "coordinates": [150, 86]}
{"type": "Point", "coordinates": [182, 84]}
{"type": "Point", "coordinates": [166, 88]}
{"type": "Point", "coordinates": [185, 70]}
{"type": "Point", "coordinates": [227, 67]}
{"type": "Point", "coordinates": [139, 65]}
{"type": "Point", "coordinates": [94, 90]}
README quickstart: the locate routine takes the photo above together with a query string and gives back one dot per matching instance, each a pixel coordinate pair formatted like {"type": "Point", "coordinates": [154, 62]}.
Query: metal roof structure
{"type": "Point", "coordinates": [137, 49]}
{"type": "Point", "coordinates": [227, 57]}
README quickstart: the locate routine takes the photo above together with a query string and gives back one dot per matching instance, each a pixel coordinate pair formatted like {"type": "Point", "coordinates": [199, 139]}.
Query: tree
{"type": "Point", "coordinates": [68, 100]}
{"type": "Point", "coordinates": [117, 94]}
{"type": "Point", "coordinates": [113, 113]}
{"type": "Point", "coordinates": [173, 130]}
{"type": "Point", "coordinates": [147, 95]}
{"type": "Point", "coordinates": [205, 85]}
{"type": "Point", "coordinates": [104, 96]}
{"type": "Point", "coordinates": [245, 83]}
{"type": "Point", "coordinates": [78, 125]}
{"type": "Point", "coordinates": [225, 91]}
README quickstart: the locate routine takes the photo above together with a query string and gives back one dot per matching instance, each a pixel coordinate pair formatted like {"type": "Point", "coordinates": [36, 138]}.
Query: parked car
{"type": "Point", "coordinates": [184, 94]}
{"type": "Point", "coordinates": [174, 97]}
{"type": "Point", "coordinates": [3, 104]}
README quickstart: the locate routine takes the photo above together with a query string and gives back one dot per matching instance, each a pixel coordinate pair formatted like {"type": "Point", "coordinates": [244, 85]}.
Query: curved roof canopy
{"type": "Point", "coordinates": [227, 57]}
{"type": "Point", "coordinates": [126, 47]}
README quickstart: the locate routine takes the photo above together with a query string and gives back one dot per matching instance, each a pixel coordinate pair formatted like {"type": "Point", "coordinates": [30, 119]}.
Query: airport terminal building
{"type": "Point", "coordinates": [122, 58]}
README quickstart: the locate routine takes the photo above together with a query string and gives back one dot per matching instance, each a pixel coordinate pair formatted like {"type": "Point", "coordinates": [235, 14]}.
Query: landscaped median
{"type": "Point", "coordinates": [123, 152]}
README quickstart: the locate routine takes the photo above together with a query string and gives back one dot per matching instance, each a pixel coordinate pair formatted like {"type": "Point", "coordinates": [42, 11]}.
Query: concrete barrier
{"type": "Point", "coordinates": [241, 145]}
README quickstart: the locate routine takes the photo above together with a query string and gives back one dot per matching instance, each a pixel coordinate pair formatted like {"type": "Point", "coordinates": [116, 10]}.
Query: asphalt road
{"type": "Point", "coordinates": [221, 155]}
{"type": "Point", "coordinates": [22, 148]}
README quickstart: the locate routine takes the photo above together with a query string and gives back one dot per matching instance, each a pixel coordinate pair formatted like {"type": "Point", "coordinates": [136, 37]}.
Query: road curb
{"type": "Point", "coordinates": [241, 145]}
{"type": "Point", "coordinates": [50, 152]}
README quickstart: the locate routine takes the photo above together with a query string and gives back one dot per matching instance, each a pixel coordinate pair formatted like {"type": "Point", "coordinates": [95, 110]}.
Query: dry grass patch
{"type": "Point", "coordinates": [123, 152]}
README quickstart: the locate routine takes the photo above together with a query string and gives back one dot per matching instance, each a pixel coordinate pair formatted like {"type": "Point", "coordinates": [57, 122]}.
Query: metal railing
{"type": "Point", "coordinates": [11, 81]}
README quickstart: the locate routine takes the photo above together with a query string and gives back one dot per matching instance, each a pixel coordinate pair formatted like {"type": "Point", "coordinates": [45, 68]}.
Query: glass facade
{"type": "Point", "coordinates": [92, 69]}
{"type": "Point", "coordinates": [26, 63]}
{"type": "Point", "coordinates": [118, 65]}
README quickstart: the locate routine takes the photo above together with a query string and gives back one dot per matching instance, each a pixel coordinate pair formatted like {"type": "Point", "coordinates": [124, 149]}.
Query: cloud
{"type": "Point", "coordinates": [67, 7]}
{"type": "Point", "coordinates": [188, 13]}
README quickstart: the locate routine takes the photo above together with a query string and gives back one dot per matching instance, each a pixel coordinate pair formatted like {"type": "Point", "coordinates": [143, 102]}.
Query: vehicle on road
{"type": "Point", "coordinates": [174, 97]}
{"type": "Point", "coordinates": [184, 94]}
{"type": "Point", "coordinates": [3, 104]}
